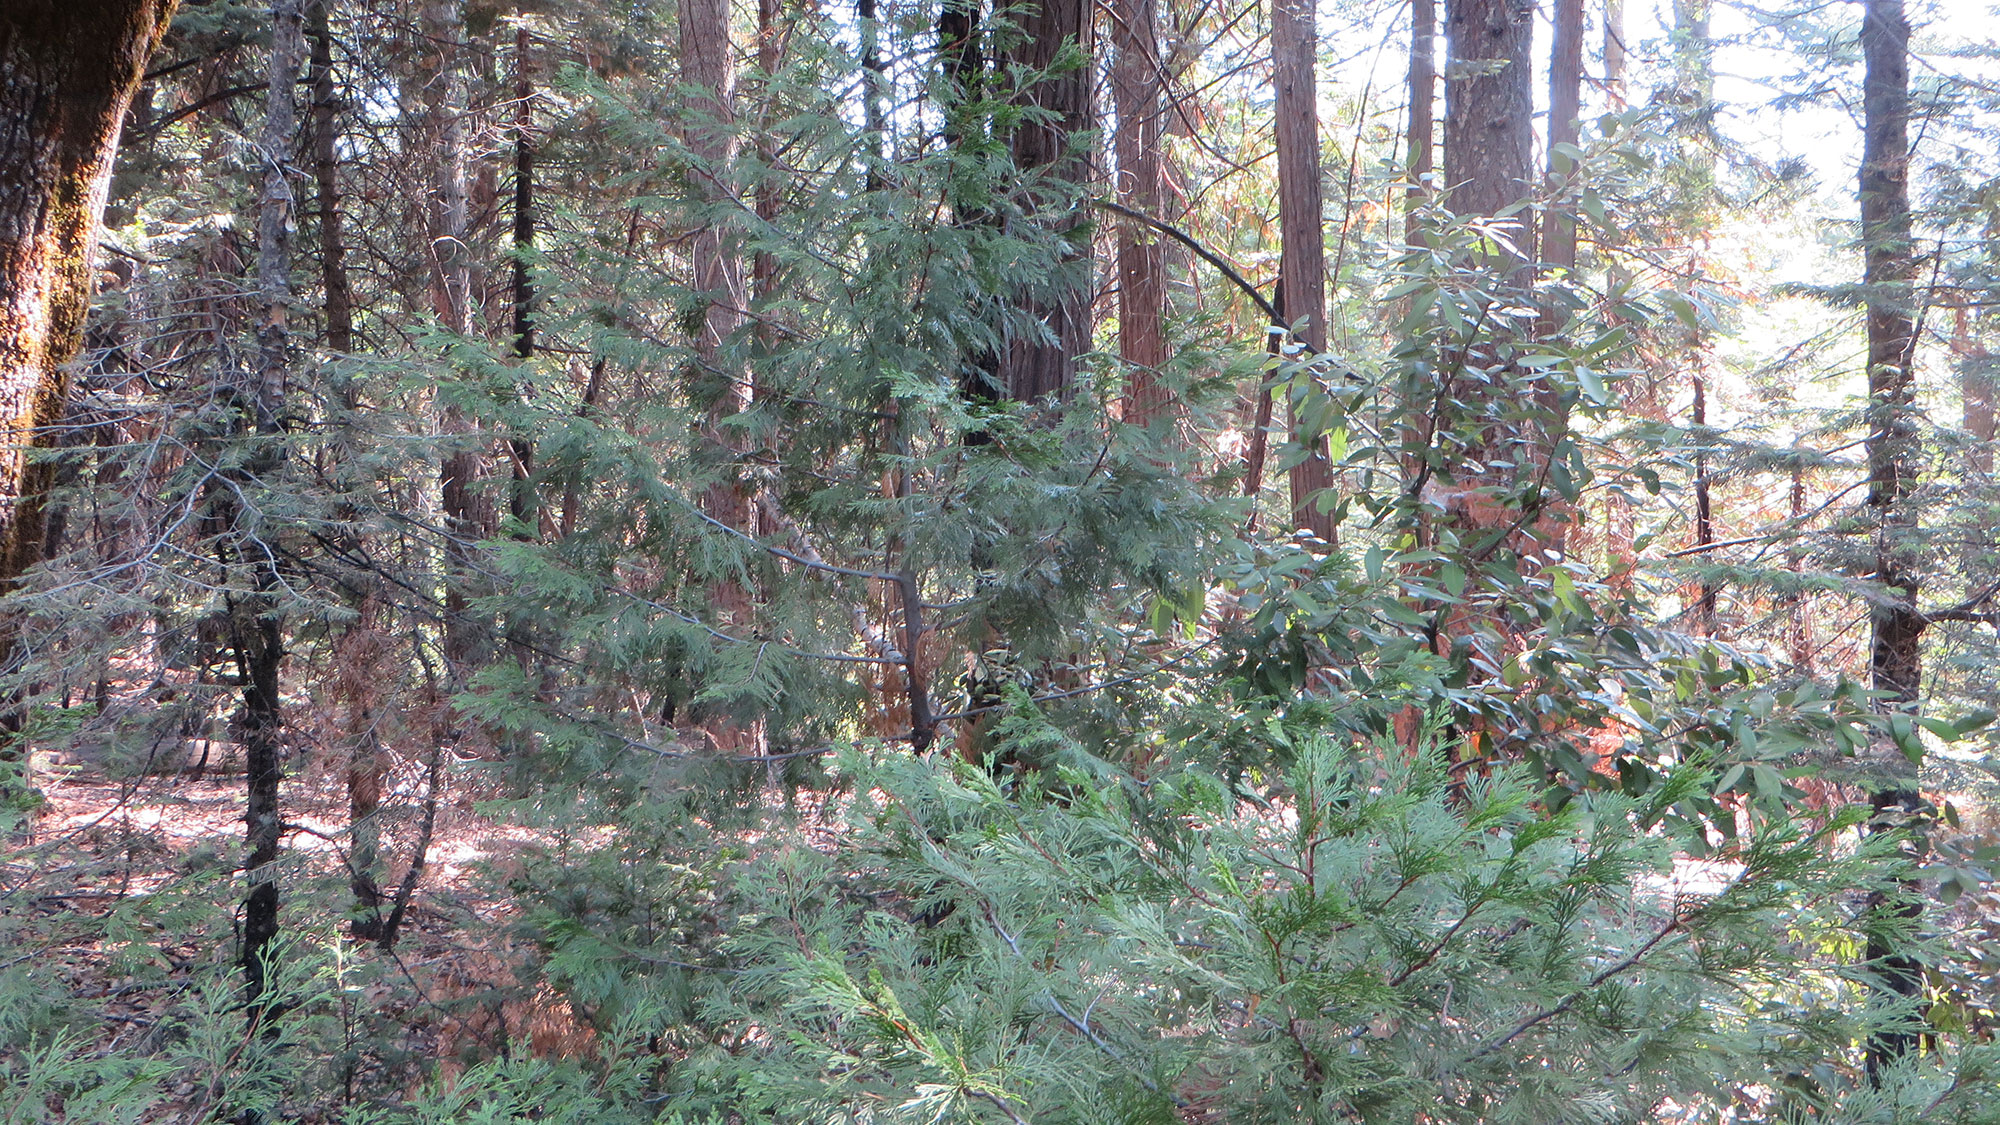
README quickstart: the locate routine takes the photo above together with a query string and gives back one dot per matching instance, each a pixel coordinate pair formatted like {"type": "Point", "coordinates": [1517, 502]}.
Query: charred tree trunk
{"type": "Point", "coordinates": [1302, 259]}
{"type": "Point", "coordinates": [1895, 653]}
{"type": "Point", "coordinates": [68, 71]}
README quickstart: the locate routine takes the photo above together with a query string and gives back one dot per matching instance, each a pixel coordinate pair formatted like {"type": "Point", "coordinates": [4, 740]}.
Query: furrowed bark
{"type": "Point", "coordinates": [68, 72]}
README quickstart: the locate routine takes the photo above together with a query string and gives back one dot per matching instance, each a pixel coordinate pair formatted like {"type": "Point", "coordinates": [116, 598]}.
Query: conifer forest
{"type": "Point", "coordinates": [1018, 562]}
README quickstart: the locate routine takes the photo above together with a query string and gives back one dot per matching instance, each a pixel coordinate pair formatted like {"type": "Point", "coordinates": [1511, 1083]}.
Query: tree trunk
{"type": "Point", "coordinates": [1142, 262]}
{"type": "Point", "coordinates": [523, 504]}
{"type": "Point", "coordinates": [338, 299]}
{"type": "Point", "coordinates": [1488, 105]}
{"type": "Point", "coordinates": [468, 514]}
{"type": "Point", "coordinates": [1422, 158]}
{"type": "Point", "coordinates": [1614, 52]}
{"type": "Point", "coordinates": [68, 71]}
{"type": "Point", "coordinates": [1977, 367]}
{"type": "Point", "coordinates": [256, 624]}
{"type": "Point", "coordinates": [710, 134]}
{"type": "Point", "coordinates": [1044, 365]}
{"type": "Point", "coordinates": [1895, 653]}
{"type": "Point", "coordinates": [1302, 259]}
{"type": "Point", "coordinates": [1565, 108]}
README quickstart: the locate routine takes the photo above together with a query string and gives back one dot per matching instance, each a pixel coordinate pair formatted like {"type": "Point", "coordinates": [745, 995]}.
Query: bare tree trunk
{"type": "Point", "coordinates": [523, 503]}
{"type": "Point", "coordinates": [1565, 108]}
{"type": "Point", "coordinates": [1488, 105]}
{"type": "Point", "coordinates": [1037, 368]}
{"type": "Point", "coordinates": [1704, 509]}
{"type": "Point", "coordinates": [468, 513]}
{"type": "Point", "coordinates": [256, 624]}
{"type": "Point", "coordinates": [710, 134]}
{"type": "Point", "coordinates": [874, 78]}
{"type": "Point", "coordinates": [1136, 72]}
{"type": "Point", "coordinates": [1977, 387]}
{"type": "Point", "coordinates": [338, 301]}
{"type": "Point", "coordinates": [1422, 158]}
{"type": "Point", "coordinates": [1302, 259]}
{"type": "Point", "coordinates": [1614, 52]}
{"type": "Point", "coordinates": [68, 71]}
{"type": "Point", "coordinates": [1895, 653]}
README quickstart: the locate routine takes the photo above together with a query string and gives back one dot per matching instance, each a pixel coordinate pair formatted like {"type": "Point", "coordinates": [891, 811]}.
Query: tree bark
{"type": "Point", "coordinates": [68, 71]}
{"type": "Point", "coordinates": [1302, 259]}
{"type": "Point", "coordinates": [523, 503]}
{"type": "Point", "coordinates": [256, 623]}
{"type": "Point", "coordinates": [1142, 262]}
{"type": "Point", "coordinates": [1895, 652]}
{"type": "Point", "coordinates": [1565, 108]}
{"type": "Point", "coordinates": [710, 135]}
{"type": "Point", "coordinates": [468, 513]}
{"type": "Point", "coordinates": [1614, 52]}
{"type": "Point", "coordinates": [1422, 159]}
{"type": "Point", "coordinates": [338, 298]}
{"type": "Point", "coordinates": [1488, 105]}
{"type": "Point", "coordinates": [1977, 386]}
{"type": "Point", "coordinates": [1043, 365]}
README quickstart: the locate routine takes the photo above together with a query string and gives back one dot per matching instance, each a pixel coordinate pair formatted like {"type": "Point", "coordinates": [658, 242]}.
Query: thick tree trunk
{"type": "Point", "coordinates": [1044, 365]}
{"type": "Point", "coordinates": [710, 134]}
{"type": "Point", "coordinates": [1489, 106]}
{"type": "Point", "coordinates": [1302, 259]}
{"type": "Point", "coordinates": [1136, 72]}
{"type": "Point", "coordinates": [68, 70]}
{"type": "Point", "coordinates": [1895, 654]}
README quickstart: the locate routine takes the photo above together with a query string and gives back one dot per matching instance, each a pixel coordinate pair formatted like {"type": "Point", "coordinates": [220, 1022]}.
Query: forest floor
{"type": "Point", "coordinates": [124, 901]}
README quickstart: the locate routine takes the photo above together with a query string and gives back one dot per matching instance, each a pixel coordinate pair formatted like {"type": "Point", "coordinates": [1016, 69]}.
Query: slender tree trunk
{"type": "Point", "coordinates": [256, 624]}
{"type": "Point", "coordinates": [1704, 509]}
{"type": "Point", "coordinates": [1422, 158]}
{"type": "Point", "coordinates": [337, 304]}
{"type": "Point", "coordinates": [1895, 654]}
{"type": "Point", "coordinates": [1977, 386]}
{"type": "Point", "coordinates": [1614, 52]}
{"type": "Point", "coordinates": [68, 71]}
{"type": "Point", "coordinates": [1565, 108]}
{"type": "Point", "coordinates": [1044, 366]}
{"type": "Point", "coordinates": [523, 503]}
{"type": "Point", "coordinates": [874, 78]}
{"type": "Point", "coordinates": [1302, 259]}
{"type": "Point", "coordinates": [1142, 265]}
{"type": "Point", "coordinates": [468, 512]}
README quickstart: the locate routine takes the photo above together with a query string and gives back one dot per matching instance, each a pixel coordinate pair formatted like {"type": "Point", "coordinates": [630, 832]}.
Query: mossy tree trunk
{"type": "Point", "coordinates": [68, 70]}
